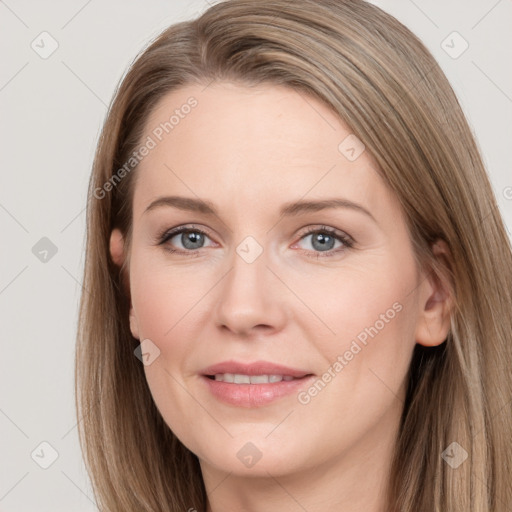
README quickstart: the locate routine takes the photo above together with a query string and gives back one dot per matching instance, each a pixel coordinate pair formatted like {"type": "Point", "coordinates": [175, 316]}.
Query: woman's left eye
{"type": "Point", "coordinates": [323, 240]}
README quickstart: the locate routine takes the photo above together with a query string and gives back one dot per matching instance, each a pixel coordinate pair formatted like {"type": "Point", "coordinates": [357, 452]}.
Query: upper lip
{"type": "Point", "coordinates": [254, 368]}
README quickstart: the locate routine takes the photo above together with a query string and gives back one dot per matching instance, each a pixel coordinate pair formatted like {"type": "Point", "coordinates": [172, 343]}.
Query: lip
{"type": "Point", "coordinates": [254, 395]}
{"type": "Point", "coordinates": [254, 368]}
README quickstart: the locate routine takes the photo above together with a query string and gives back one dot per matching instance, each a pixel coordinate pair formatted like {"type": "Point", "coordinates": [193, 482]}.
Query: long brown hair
{"type": "Point", "coordinates": [385, 85]}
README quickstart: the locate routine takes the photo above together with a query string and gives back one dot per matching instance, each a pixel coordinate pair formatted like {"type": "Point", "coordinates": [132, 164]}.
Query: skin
{"type": "Point", "coordinates": [249, 150]}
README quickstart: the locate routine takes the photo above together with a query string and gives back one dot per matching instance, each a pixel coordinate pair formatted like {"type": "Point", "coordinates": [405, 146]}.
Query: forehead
{"type": "Point", "coordinates": [244, 143]}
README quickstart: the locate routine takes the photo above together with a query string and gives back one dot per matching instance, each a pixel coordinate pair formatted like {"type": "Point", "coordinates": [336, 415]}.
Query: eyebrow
{"type": "Point", "coordinates": [287, 210]}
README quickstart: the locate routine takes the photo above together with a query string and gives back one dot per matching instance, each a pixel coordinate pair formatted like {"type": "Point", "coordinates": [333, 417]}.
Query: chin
{"type": "Point", "coordinates": [255, 459]}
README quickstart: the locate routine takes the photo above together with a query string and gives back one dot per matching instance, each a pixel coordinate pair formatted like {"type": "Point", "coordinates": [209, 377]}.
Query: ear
{"type": "Point", "coordinates": [436, 301]}
{"type": "Point", "coordinates": [134, 324]}
{"type": "Point", "coordinates": [116, 247]}
{"type": "Point", "coordinates": [118, 257]}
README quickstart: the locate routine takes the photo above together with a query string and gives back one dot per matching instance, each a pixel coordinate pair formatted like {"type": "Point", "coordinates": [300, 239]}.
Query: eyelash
{"type": "Point", "coordinates": [346, 240]}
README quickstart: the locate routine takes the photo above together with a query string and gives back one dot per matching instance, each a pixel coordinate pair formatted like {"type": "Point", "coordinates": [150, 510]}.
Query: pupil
{"type": "Point", "coordinates": [324, 241]}
{"type": "Point", "coordinates": [191, 238]}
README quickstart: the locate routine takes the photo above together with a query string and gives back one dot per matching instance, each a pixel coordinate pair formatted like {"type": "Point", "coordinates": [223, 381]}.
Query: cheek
{"type": "Point", "coordinates": [362, 381]}
{"type": "Point", "coordinates": [164, 307]}
{"type": "Point", "coordinates": [370, 315]}
{"type": "Point", "coordinates": [158, 305]}
{"type": "Point", "coordinates": [162, 294]}
{"type": "Point", "coordinates": [170, 305]}
{"type": "Point", "coordinates": [153, 303]}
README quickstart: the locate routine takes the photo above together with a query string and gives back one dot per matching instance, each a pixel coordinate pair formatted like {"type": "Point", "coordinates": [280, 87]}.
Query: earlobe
{"type": "Point", "coordinates": [116, 247]}
{"type": "Point", "coordinates": [436, 301]}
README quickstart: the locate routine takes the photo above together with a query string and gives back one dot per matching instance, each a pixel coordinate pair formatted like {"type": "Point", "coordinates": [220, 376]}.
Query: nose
{"type": "Point", "coordinates": [251, 298]}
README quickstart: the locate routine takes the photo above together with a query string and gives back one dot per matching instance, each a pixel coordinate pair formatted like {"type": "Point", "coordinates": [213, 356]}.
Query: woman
{"type": "Point", "coordinates": [300, 283]}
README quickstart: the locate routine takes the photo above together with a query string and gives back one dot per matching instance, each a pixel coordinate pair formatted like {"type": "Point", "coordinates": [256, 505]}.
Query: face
{"type": "Point", "coordinates": [331, 291]}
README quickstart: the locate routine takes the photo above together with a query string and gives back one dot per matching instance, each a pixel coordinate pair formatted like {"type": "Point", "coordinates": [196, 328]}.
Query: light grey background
{"type": "Point", "coordinates": [51, 113]}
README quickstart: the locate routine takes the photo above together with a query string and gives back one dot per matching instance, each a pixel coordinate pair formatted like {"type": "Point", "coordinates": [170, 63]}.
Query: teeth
{"type": "Point", "coordinates": [259, 379]}
{"type": "Point", "coordinates": [251, 379]}
{"type": "Point", "coordinates": [241, 379]}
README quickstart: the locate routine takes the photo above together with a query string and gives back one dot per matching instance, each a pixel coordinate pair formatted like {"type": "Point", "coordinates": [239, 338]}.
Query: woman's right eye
{"type": "Point", "coordinates": [191, 239]}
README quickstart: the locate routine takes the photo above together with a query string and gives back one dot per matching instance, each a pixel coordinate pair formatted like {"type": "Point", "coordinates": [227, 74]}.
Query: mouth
{"type": "Point", "coordinates": [253, 384]}
{"type": "Point", "coordinates": [239, 372]}
{"type": "Point", "coordinates": [237, 378]}
{"type": "Point", "coordinates": [254, 391]}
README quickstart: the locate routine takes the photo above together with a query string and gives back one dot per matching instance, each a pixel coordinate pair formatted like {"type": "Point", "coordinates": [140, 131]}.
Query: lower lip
{"type": "Point", "coordinates": [254, 395]}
